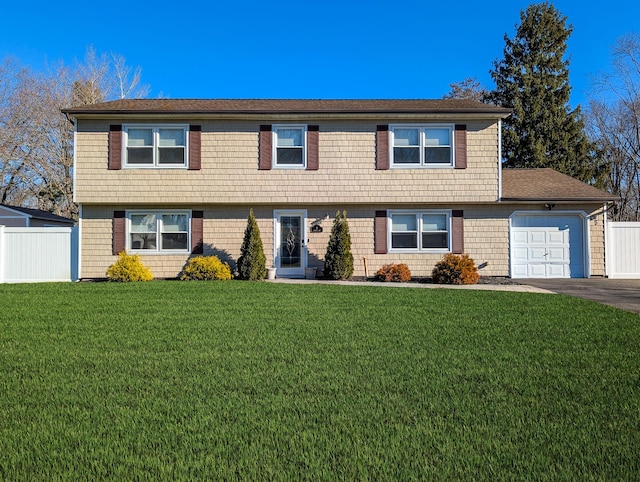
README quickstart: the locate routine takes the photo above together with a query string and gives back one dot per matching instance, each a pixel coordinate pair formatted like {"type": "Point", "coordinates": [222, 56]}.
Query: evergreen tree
{"type": "Point", "coordinates": [533, 80]}
{"type": "Point", "coordinates": [252, 263]}
{"type": "Point", "coordinates": [338, 261]}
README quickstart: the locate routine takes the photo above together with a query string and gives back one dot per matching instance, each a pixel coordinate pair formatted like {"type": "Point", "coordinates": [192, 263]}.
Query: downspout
{"type": "Point", "coordinates": [499, 160]}
{"type": "Point", "coordinates": [79, 240]}
{"type": "Point", "coordinates": [75, 153]}
{"type": "Point", "coordinates": [605, 224]}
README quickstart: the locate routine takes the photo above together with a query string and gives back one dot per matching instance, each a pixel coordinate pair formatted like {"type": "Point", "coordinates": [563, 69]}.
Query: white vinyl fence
{"type": "Point", "coordinates": [623, 250]}
{"type": "Point", "coordinates": [31, 255]}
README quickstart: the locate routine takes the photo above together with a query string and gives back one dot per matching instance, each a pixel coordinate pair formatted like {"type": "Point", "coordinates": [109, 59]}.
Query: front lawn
{"type": "Point", "coordinates": [241, 380]}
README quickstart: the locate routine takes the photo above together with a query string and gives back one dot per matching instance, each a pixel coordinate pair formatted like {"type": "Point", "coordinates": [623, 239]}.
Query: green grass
{"type": "Point", "coordinates": [241, 380]}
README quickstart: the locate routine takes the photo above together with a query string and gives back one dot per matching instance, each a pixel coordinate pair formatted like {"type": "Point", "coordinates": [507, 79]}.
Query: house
{"type": "Point", "coordinates": [18, 217]}
{"type": "Point", "coordinates": [418, 178]}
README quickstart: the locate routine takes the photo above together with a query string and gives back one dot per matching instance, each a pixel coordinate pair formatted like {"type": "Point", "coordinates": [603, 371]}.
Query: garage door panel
{"type": "Point", "coordinates": [557, 254]}
{"type": "Point", "coordinates": [520, 236]}
{"type": "Point", "coordinates": [521, 254]}
{"type": "Point", "coordinates": [537, 271]}
{"type": "Point", "coordinates": [537, 254]}
{"type": "Point", "coordinates": [558, 237]}
{"type": "Point", "coordinates": [537, 237]}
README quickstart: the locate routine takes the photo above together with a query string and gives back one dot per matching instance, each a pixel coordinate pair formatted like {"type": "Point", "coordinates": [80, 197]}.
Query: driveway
{"type": "Point", "coordinates": [621, 293]}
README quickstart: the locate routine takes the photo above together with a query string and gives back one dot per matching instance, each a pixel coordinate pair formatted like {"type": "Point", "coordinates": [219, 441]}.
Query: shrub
{"type": "Point", "coordinates": [127, 268]}
{"type": "Point", "coordinates": [398, 273]}
{"type": "Point", "coordinates": [455, 269]}
{"type": "Point", "coordinates": [206, 268]}
{"type": "Point", "coordinates": [252, 263]}
{"type": "Point", "coordinates": [338, 261]}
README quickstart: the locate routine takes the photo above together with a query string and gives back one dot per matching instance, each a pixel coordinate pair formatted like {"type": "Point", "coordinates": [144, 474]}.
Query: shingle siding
{"type": "Point", "coordinates": [229, 171]}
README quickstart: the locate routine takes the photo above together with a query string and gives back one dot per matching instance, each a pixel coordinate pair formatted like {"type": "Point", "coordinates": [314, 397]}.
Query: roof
{"type": "Point", "coordinates": [289, 106]}
{"type": "Point", "coordinates": [39, 214]}
{"type": "Point", "coordinates": [545, 184]}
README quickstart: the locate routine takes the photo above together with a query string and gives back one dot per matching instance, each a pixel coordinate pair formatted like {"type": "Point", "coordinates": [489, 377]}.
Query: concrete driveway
{"type": "Point", "coordinates": [621, 293]}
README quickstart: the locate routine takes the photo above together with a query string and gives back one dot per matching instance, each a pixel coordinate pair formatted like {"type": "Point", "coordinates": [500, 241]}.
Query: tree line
{"type": "Point", "coordinates": [36, 139]}
{"type": "Point", "coordinates": [600, 146]}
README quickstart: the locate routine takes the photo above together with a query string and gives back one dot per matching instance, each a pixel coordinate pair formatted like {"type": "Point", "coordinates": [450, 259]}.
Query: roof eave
{"type": "Point", "coordinates": [559, 200]}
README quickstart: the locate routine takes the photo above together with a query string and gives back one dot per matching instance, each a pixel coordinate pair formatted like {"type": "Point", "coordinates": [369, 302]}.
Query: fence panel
{"type": "Point", "coordinates": [30, 255]}
{"type": "Point", "coordinates": [623, 250]}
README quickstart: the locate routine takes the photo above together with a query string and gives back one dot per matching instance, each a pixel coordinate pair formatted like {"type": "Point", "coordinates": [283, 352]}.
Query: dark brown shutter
{"type": "Point", "coordinates": [194, 148]}
{"type": "Point", "coordinates": [461, 147]}
{"type": "Point", "coordinates": [312, 148]}
{"type": "Point", "coordinates": [382, 147]}
{"type": "Point", "coordinates": [119, 231]}
{"type": "Point", "coordinates": [380, 228]}
{"type": "Point", "coordinates": [265, 152]}
{"type": "Point", "coordinates": [115, 147]}
{"type": "Point", "coordinates": [197, 232]}
{"type": "Point", "coordinates": [457, 232]}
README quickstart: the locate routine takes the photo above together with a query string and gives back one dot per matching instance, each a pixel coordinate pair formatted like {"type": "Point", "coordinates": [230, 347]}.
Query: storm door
{"type": "Point", "coordinates": [290, 243]}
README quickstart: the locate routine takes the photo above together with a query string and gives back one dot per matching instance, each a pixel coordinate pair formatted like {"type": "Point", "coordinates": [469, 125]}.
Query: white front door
{"type": "Point", "coordinates": [290, 243]}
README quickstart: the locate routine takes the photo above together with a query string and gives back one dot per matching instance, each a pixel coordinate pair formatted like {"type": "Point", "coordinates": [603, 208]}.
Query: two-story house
{"type": "Point", "coordinates": [418, 178]}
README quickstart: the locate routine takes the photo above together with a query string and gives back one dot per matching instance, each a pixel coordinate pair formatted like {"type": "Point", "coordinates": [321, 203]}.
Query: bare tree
{"type": "Point", "coordinates": [614, 125]}
{"type": "Point", "coordinates": [469, 88]}
{"type": "Point", "coordinates": [36, 139]}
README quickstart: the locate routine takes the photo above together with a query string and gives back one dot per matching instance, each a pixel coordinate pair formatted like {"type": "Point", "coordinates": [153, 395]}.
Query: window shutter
{"type": "Point", "coordinates": [382, 148]}
{"type": "Point", "coordinates": [312, 148]}
{"type": "Point", "coordinates": [194, 148]}
{"type": "Point", "coordinates": [461, 147]}
{"type": "Point", "coordinates": [265, 152]}
{"type": "Point", "coordinates": [119, 231]}
{"type": "Point", "coordinates": [115, 147]}
{"type": "Point", "coordinates": [380, 228]}
{"type": "Point", "coordinates": [197, 232]}
{"type": "Point", "coordinates": [457, 232]}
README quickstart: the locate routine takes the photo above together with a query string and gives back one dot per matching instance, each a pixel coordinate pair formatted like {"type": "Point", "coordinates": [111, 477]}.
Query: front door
{"type": "Point", "coordinates": [290, 247]}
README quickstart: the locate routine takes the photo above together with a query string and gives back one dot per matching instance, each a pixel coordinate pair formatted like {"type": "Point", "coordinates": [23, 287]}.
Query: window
{"type": "Point", "coordinates": [420, 231]}
{"type": "Point", "coordinates": [158, 231]}
{"type": "Point", "coordinates": [289, 146]}
{"type": "Point", "coordinates": [422, 146]}
{"type": "Point", "coordinates": [155, 146]}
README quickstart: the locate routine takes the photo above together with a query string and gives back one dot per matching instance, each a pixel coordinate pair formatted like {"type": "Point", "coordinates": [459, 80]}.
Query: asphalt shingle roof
{"type": "Point", "coordinates": [548, 185]}
{"type": "Point", "coordinates": [288, 106]}
{"type": "Point", "coordinates": [40, 214]}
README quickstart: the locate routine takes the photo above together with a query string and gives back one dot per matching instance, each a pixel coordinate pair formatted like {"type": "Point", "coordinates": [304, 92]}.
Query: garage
{"type": "Point", "coordinates": [547, 245]}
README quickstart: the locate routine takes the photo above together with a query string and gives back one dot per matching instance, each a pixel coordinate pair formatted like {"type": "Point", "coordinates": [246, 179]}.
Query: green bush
{"type": "Point", "coordinates": [252, 263]}
{"type": "Point", "coordinates": [206, 268]}
{"type": "Point", "coordinates": [455, 269]}
{"type": "Point", "coordinates": [399, 273]}
{"type": "Point", "coordinates": [128, 268]}
{"type": "Point", "coordinates": [338, 261]}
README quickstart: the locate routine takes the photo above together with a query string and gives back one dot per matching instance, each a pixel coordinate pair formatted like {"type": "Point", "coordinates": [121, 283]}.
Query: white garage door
{"type": "Point", "coordinates": [547, 246]}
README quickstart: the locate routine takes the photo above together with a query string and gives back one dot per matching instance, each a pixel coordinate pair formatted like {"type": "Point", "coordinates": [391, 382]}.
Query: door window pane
{"type": "Point", "coordinates": [290, 242]}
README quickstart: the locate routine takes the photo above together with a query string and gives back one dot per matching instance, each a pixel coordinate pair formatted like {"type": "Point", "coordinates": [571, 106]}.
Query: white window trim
{"type": "Point", "coordinates": [158, 213]}
{"type": "Point", "coordinates": [418, 213]}
{"type": "Point", "coordinates": [422, 165]}
{"type": "Point", "coordinates": [274, 144]}
{"type": "Point", "coordinates": [156, 128]}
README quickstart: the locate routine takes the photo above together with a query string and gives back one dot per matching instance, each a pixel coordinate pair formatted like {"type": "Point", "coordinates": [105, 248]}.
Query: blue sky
{"type": "Point", "coordinates": [303, 49]}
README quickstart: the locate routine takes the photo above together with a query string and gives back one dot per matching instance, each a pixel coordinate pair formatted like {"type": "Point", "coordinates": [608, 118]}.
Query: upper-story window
{"type": "Point", "coordinates": [155, 146]}
{"type": "Point", "coordinates": [289, 146]}
{"type": "Point", "coordinates": [422, 146]}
